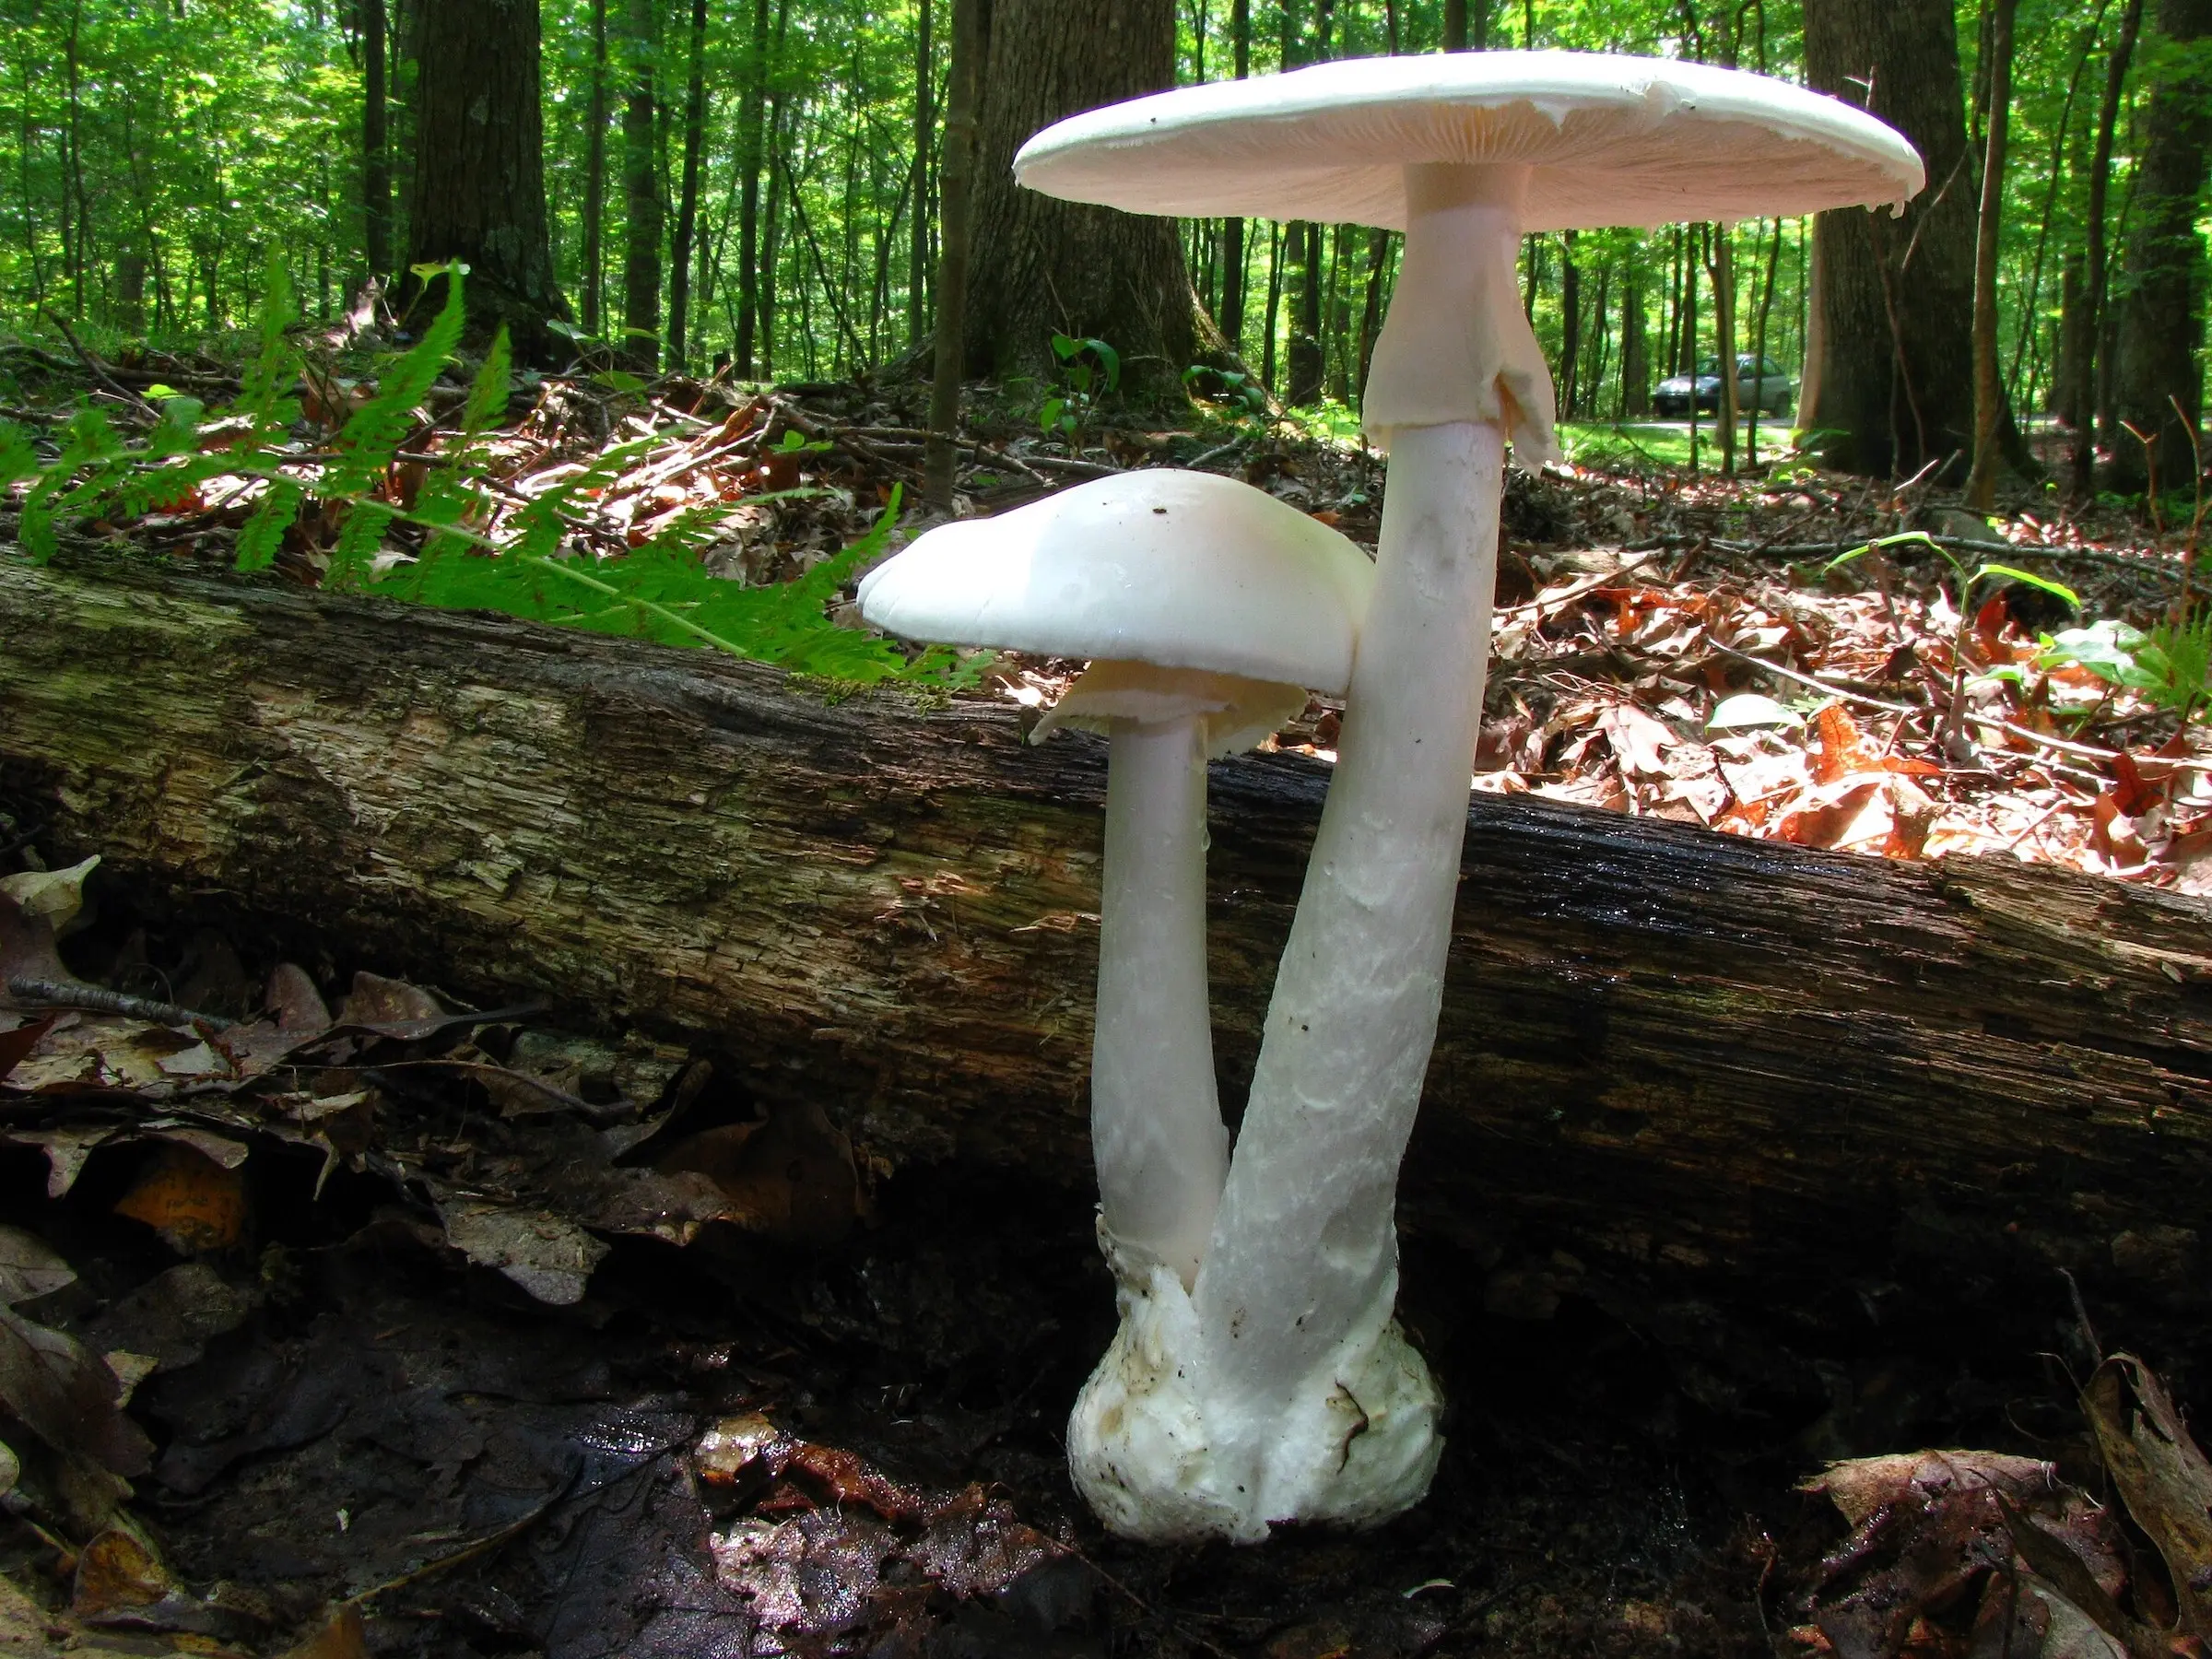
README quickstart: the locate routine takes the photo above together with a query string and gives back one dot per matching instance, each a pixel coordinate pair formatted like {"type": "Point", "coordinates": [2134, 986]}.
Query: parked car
{"type": "Point", "coordinates": [1759, 384]}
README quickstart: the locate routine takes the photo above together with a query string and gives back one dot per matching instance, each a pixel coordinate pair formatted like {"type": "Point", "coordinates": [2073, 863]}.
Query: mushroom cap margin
{"type": "Point", "coordinates": [1611, 139]}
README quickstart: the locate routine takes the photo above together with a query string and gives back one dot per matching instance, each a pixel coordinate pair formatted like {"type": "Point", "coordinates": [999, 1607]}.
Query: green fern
{"type": "Point", "coordinates": [661, 591]}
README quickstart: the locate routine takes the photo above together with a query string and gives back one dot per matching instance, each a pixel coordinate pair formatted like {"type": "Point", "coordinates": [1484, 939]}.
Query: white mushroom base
{"type": "Point", "coordinates": [1149, 1442]}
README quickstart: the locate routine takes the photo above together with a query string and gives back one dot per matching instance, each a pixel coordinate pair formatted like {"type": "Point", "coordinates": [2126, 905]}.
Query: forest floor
{"type": "Point", "coordinates": [297, 1256]}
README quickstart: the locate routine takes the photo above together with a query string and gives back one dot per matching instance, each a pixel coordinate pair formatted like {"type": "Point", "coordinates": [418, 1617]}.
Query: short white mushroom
{"type": "Point", "coordinates": [1206, 608]}
{"type": "Point", "coordinates": [1309, 1399]}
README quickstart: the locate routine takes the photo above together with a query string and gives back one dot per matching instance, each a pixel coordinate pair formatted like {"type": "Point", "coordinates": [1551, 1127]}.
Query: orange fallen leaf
{"type": "Point", "coordinates": [192, 1202]}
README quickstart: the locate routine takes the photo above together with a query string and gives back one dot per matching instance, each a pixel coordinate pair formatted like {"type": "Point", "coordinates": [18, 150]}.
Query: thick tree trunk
{"type": "Point", "coordinates": [1699, 1067]}
{"type": "Point", "coordinates": [1062, 266]}
{"type": "Point", "coordinates": [641, 194]}
{"type": "Point", "coordinates": [479, 192]}
{"type": "Point", "coordinates": [1896, 379]}
{"type": "Point", "coordinates": [2161, 320]}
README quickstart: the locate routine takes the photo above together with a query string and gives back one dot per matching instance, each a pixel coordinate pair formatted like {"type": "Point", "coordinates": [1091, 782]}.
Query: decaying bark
{"type": "Point", "coordinates": [1695, 1064]}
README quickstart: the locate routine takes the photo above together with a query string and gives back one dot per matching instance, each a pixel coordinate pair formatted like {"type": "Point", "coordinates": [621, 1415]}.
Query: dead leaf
{"type": "Point", "coordinates": [66, 1150]}
{"type": "Point", "coordinates": [67, 1396]}
{"type": "Point", "coordinates": [17, 1044]}
{"type": "Point", "coordinates": [293, 998]}
{"type": "Point", "coordinates": [1911, 816]}
{"type": "Point", "coordinates": [1842, 749]}
{"type": "Point", "coordinates": [194, 1201]}
{"type": "Point", "coordinates": [549, 1257]}
{"type": "Point", "coordinates": [2161, 1475]}
{"type": "Point", "coordinates": [116, 1572]}
{"type": "Point", "coordinates": [342, 1637]}
{"type": "Point", "coordinates": [29, 1267]}
{"type": "Point", "coordinates": [792, 1177]}
{"type": "Point", "coordinates": [54, 897]}
{"type": "Point", "coordinates": [376, 1001]}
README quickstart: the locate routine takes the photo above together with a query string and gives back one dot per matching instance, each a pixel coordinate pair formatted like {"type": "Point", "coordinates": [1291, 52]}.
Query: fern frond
{"type": "Point", "coordinates": [372, 437]}
{"type": "Point", "coordinates": [277, 363]}
{"type": "Point", "coordinates": [18, 456]}
{"type": "Point", "coordinates": [263, 532]}
{"type": "Point", "coordinates": [359, 539]}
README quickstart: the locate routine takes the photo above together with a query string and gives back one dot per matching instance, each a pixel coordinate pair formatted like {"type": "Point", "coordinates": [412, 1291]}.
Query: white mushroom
{"type": "Point", "coordinates": [1312, 1406]}
{"type": "Point", "coordinates": [1206, 608]}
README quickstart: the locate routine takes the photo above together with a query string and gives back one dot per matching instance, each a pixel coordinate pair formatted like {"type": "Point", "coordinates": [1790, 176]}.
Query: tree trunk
{"type": "Point", "coordinates": [2161, 322]}
{"type": "Point", "coordinates": [749, 207]}
{"type": "Point", "coordinates": [1569, 376]}
{"type": "Point", "coordinates": [1304, 354]}
{"type": "Point", "coordinates": [479, 192]}
{"type": "Point", "coordinates": [687, 210]}
{"type": "Point", "coordinates": [594, 181]}
{"type": "Point", "coordinates": [1696, 1064]}
{"type": "Point", "coordinates": [376, 155]}
{"type": "Point", "coordinates": [1895, 380]}
{"type": "Point", "coordinates": [642, 196]}
{"type": "Point", "coordinates": [1064, 267]}
{"type": "Point", "coordinates": [1989, 385]}
{"type": "Point", "coordinates": [2086, 350]}
{"type": "Point", "coordinates": [926, 132]}
{"type": "Point", "coordinates": [1635, 355]}
{"type": "Point", "coordinates": [1230, 313]}
{"type": "Point", "coordinates": [969, 45]}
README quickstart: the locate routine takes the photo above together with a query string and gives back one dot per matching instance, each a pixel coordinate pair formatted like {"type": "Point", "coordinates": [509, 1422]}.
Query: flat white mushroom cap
{"type": "Point", "coordinates": [1181, 569]}
{"type": "Point", "coordinates": [1612, 140]}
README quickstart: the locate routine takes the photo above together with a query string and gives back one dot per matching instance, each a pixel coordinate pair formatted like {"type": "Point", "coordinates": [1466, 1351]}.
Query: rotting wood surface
{"type": "Point", "coordinates": [1697, 1063]}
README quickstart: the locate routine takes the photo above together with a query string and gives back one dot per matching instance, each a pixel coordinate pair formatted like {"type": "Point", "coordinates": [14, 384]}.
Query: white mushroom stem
{"type": "Point", "coordinates": [1155, 1115]}
{"type": "Point", "coordinates": [1298, 1281]}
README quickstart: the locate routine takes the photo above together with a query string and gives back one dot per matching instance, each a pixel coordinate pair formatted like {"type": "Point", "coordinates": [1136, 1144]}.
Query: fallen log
{"type": "Point", "coordinates": [1673, 1064]}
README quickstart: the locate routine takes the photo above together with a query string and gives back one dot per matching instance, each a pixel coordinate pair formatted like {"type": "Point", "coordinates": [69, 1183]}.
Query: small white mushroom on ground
{"type": "Point", "coordinates": [1313, 1409]}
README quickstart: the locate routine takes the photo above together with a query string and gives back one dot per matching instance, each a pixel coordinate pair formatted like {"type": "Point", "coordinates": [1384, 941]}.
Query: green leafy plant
{"type": "Point", "coordinates": [1090, 370]}
{"type": "Point", "coordinates": [476, 550]}
{"type": "Point", "coordinates": [1232, 388]}
{"type": "Point", "coordinates": [2170, 665]}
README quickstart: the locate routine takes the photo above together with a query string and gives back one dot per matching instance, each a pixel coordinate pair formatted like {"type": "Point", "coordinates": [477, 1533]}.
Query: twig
{"type": "Point", "coordinates": [1589, 585]}
{"type": "Point", "coordinates": [98, 999]}
{"type": "Point", "coordinates": [2040, 739]}
{"type": "Point", "coordinates": [93, 367]}
{"type": "Point", "coordinates": [1796, 551]}
{"type": "Point", "coordinates": [1214, 453]}
{"type": "Point", "coordinates": [1081, 469]}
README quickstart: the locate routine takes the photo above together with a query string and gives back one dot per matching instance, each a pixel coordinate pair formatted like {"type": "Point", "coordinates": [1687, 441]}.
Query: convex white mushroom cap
{"type": "Point", "coordinates": [1609, 140]}
{"type": "Point", "coordinates": [1179, 569]}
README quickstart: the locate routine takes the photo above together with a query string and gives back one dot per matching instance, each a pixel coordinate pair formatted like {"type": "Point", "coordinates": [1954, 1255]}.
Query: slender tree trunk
{"type": "Point", "coordinates": [640, 346]}
{"type": "Point", "coordinates": [1895, 383]}
{"type": "Point", "coordinates": [1721, 268]}
{"type": "Point", "coordinates": [1455, 25]}
{"type": "Point", "coordinates": [1758, 345]}
{"type": "Point", "coordinates": [925, 130]}
{"type": "Point", "coordinates": [2055, 174]}
{"type": "Point", "coordinates": [771, 228]}
{"type": "Point", "coordinates": [1989, 385]}
{"type": "Point", "coordinates": [969, 48]}
{"type": "Point", "coordinates": [2160, 378]}
{"type": "Point", "coordinates": [1305, 361]}
{"type": "Point", "coordinates": [1571, 328]}
{"type": "Point", "coordinates": [1231, 309]}
{"type": "Point", "coordinates": [594, 181]}
{"type": "Point", "coordinates": [1370, 313]}
{"type": "Point", "coordinates": [1635, 353]}
{"type": "Point", "coordinates": [376, 155]}
{"type": "Point", "coordinates": [1064, 265]}
{"type": "Point", "coordinates": [2090, 319]}
{"type": "Point", "coordinates": [748, 206]}
{"type": "Point", "coordinates": [479, 189]}
{"type": "Point", "coordinates": [2070, 374]}
{"type": "Point", "coordinates": [1274, 301]}
{"type": "Point", "coordinates": [687, 210]}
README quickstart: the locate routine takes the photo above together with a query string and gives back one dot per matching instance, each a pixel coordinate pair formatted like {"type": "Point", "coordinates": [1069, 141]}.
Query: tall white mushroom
{"type": "Point", "coordinates": [1207, 607]}
{"type": "Point", "coordinates": [1465, 152]}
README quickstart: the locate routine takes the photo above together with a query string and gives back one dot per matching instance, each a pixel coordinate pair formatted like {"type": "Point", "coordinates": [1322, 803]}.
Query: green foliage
{"type": "Point", "coordinates": [2170, 666]}
{"type": "Point", "coordinates": [658, 592]}
{"type": "Point", "coordinates": [1089, 371]}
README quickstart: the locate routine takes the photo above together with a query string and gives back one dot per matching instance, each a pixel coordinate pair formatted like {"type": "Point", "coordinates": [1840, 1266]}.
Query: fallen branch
{"type": "Point", "coordinates": [1696, 1065]}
